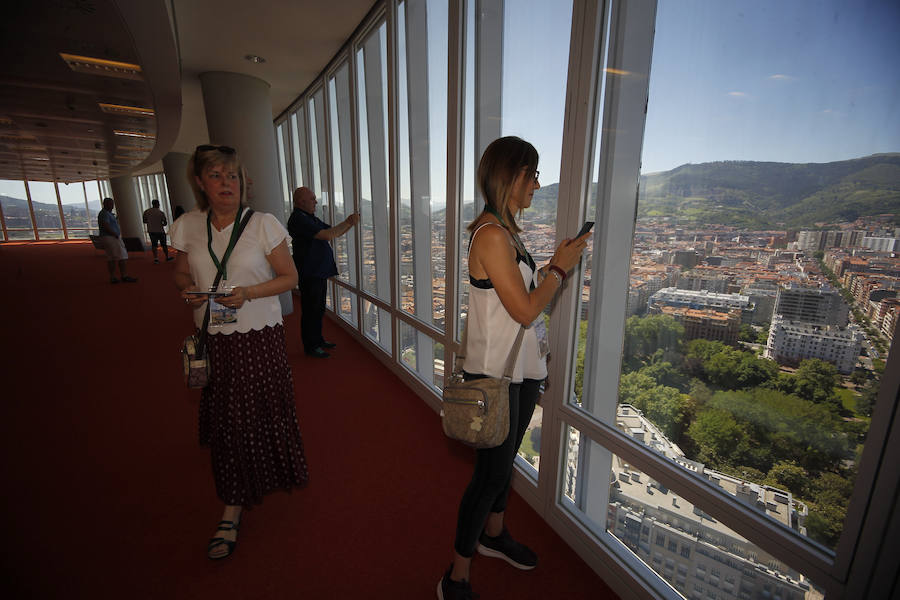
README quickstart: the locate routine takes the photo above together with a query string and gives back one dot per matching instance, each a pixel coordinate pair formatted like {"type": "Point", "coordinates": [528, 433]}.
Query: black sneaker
{"type": "Point", "coordinates": [448, 589]}
{"type": "Point", "coordinates": [318, 353]}
{"type": "Point", "coordinates": [329, 345]}
{"type": "Point", "coordinates": [503, 546]}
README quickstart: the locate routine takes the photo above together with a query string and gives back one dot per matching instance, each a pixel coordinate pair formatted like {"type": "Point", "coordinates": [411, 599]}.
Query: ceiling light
{"type": "Point", "coordinates": [121, 109]}
{"type": "Point", "coordinates": [136, 134]}
{"type": "Point", "coordinates": [12, 137]}
{"type": "Point", "coordinates": [101, 66]}
{"type": "Point", "coordinates": [254, 58]}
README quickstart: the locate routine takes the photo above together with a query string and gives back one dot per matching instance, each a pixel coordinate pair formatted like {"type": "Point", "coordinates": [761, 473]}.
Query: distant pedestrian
{"type": "Point", "coordinates": [111, 239]}
{"type": "Point", "coordinates": [156, 227]}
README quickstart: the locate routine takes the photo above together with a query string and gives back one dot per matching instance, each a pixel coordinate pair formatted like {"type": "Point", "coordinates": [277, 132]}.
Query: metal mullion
{"type": "Point", "coordinates": [353, 84]}
{"type": "Point", "coordinates": [62, 219]}
{"type": "Point", "coordinates": [34, 227]}
{"type": "Point", "coordinates": [455, 107]}
{"type": "Point", "coordinates": [3, 223]}
{"type": "Point", "coordinates": [393, 177]}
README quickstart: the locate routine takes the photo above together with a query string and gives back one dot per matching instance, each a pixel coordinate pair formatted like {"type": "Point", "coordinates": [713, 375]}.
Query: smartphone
{"type": "Point", "coordinates": [210, 294]}
{"type": "Point", "coordinates": [588, 225]}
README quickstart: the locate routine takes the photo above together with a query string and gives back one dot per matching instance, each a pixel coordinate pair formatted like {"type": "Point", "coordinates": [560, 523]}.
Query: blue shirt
{"type": "Point", "coordinates": [312, 257]}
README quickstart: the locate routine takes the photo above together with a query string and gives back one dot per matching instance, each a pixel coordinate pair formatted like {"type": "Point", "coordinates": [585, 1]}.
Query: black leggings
{"type": "Point", "coordinates": [489, 489]}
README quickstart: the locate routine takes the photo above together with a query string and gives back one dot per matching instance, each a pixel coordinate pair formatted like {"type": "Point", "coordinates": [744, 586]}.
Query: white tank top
{"type": "Point", "coordinates": [492, 332]}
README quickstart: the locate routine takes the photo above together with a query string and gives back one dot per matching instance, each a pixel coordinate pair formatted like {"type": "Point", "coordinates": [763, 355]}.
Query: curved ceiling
{"type": "Point", "coordinates": [61, 118]}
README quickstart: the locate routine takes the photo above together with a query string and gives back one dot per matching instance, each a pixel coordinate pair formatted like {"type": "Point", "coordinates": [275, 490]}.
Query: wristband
{"type": "Point", "coordinates": [555, 274]}
{"type": "Point", "coordinates": [558, 270]}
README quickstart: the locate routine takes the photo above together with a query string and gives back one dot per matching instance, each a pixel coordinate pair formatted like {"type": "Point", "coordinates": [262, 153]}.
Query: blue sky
{"type": "Point", "coordinates": [785, 80]}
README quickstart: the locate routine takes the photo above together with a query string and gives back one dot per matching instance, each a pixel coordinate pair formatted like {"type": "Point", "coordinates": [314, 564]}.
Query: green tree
{"type": "Point", "coordinates": [789, 475]}
{"type": "Point", "coordinates": [736, 369]}
{"type": "Point", "coordinates": [747, 333]}
{"type": "Point", "coordinates": [664, 373]}
{"type": "Point", "coordinates": [865, 402]}
{"type": "Point", "coordinates": [716, 434]}
{"type": "Point", "coordinates": [816, 380]}
{"type": "Point", "coordinates": [698, 352]}
{"type": "Point", "coordinates": [646, 335]}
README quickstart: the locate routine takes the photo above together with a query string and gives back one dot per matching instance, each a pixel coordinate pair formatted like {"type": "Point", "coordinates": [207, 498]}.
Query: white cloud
{"type": "Point", "coordinates": [738, 94]}
{"type": "Point", "coordinates": [781, 77]}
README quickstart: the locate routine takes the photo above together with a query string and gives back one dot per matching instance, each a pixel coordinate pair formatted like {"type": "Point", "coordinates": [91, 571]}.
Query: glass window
{"type": "Point", "coordinates": [318, 154]}
{"type": "Point", "coordinates": [298, 147]}
{"type": "Point", "coordinates": [342, 170]}
{"type": "Point", "coordinates": [504, 99]}
{"type": "Point", "coordinates": [46, 208]}
{"type": "Point", "coordinates": [422, 128]}
{"type": "Point", "coordinates": [635, 498]}
{"type": "Point", "coordinates": [284, 166]}
{"type": "Point", "coordinates": [74, 206]}
{"type": "Point", "coordinates": [374, 206]}
{"type": "Point", "coordinates": [735, 325]}
{"type": "Point", "coordinates": [16, 213]}
{"type": "Point", "coordinates": [377, 325]}
{"type": "Point", "coordinates": [92, 196]}
{"type": "Point", "coordinates": [431, 372]}
{"type": "Point", "coordinates": [346, 307]}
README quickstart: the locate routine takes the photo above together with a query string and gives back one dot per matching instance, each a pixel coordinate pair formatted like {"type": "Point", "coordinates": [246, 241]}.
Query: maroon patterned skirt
{"type": "Point", "coordinates": [248, 417]}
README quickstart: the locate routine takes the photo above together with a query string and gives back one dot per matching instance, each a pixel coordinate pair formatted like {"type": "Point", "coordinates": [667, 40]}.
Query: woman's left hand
{"type": "Point", "coordinates": [236, 299]}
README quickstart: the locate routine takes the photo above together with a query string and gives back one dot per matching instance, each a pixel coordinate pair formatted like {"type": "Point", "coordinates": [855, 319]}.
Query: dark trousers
{"type": "Point", "coordinates": [158, 239]}
{"type": "Point", "coordinates": [312, 305]}
{"type": "Point", "coordinates": [489, 489]}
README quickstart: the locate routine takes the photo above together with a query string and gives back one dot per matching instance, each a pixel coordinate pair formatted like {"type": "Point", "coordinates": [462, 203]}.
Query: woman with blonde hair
{"type": "Point", "coordinates": [506, 291]}
{"type": "Point", "coordinates": [247, 412]}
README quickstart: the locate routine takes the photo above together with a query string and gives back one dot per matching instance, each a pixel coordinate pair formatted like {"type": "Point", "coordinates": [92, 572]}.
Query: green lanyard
{"type": "Point", "coordinates": [235, 234]}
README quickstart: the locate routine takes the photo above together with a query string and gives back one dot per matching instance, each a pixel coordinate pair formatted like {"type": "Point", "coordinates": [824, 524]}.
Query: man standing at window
{"type": "Point", "coordinates": [111, 238]}
{"type": "Point", "coordinates": [156, 222]}
{"type": "Point", "coordinates": [315, 264]}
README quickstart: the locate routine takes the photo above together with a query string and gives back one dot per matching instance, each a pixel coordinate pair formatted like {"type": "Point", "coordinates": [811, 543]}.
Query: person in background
{"type": "Point", "coordinates": [315, 264]}
{"type": "Point", "coordinates": [507, 291]}
{"type": "Point", "coordinates": [247, 411]}
{"type": "Point", "coordinates": [177, 212]}
{"type": "Point", "coordinates": [156, 222]}
{"type": "Point", "coordinates": [111, 238]}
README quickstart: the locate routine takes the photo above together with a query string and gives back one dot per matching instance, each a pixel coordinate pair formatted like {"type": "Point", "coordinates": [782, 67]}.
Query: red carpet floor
{"type": "Point", "coordinates": [106, 493]}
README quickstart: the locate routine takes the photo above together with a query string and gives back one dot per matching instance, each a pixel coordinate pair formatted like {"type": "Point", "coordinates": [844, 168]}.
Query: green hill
{"type": "Point", "coordinates": [768, 194]}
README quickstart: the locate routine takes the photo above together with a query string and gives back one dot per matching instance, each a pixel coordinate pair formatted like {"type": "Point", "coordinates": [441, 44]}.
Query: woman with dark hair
{"type": "Point", "coordinates": [247, 412]}
{"type": "Point", "coordinates": [506, 291]}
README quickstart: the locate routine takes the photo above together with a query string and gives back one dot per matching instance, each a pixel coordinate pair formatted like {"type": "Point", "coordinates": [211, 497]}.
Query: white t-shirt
{"type": "Point", "coordinates": [246, 266]}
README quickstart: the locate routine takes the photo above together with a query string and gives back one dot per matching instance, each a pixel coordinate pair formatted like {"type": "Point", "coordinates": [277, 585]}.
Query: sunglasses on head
{"type": "Point", "coordinates": [208, 147]}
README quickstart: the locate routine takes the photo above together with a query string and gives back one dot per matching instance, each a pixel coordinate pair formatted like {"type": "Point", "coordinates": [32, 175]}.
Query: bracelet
{"type": "Point", "coordinates": [558, 270]}
{"type": "Point", "coordinates": [558, 278]}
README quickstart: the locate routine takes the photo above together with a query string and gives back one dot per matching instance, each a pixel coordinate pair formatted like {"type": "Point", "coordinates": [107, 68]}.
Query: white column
{"type": "Point", "coordinates": [128, 208]}
{"type": "Point", "coordinates": [239, 114]}
{"type": "Point", "coordinates": [175, 165]}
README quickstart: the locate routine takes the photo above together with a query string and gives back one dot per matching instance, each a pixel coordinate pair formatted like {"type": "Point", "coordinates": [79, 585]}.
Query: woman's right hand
{"type": "Point", "coordinates": [569, 252]}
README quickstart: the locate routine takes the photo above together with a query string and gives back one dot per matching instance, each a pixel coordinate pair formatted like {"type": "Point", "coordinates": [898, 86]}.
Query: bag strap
{"type": "Point", "coordinates": [201, 341]}
{"type": "Point", "coordinates": [510, 360]}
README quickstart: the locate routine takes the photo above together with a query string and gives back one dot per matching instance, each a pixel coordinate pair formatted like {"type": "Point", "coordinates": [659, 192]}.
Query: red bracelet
{"type": "Point", "coordinates": [558, 270]}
